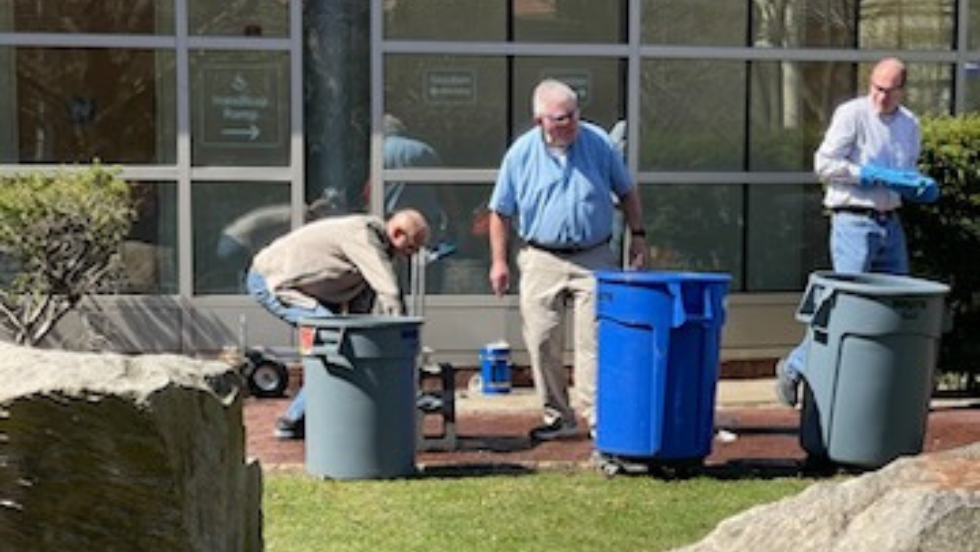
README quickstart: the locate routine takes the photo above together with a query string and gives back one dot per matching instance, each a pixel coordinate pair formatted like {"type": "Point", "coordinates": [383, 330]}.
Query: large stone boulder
{"type": "Point", "coordinates": [929, 503]}
{"type": "Point", "coordinates": [114, 453]}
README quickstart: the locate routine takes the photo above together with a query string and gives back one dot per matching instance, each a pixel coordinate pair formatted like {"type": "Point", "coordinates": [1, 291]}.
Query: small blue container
{"type": "Point", "coordinates": [495, 368]}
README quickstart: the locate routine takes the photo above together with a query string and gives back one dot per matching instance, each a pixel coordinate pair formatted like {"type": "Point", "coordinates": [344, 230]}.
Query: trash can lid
{"type": "Point", "coordinates": [660, 277]}
{"type": "Point", "coordinates": [878, 284]}
{"type": "Point", "coordinates": [359, 321]}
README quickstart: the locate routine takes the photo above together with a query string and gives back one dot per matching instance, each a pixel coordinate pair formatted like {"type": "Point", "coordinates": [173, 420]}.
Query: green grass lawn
{"type": "Point", "coordinates": [578, 511]}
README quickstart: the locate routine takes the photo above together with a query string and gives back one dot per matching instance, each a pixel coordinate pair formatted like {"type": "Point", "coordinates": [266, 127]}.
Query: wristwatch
{"type": "Point", "coordinates": [638, 233]}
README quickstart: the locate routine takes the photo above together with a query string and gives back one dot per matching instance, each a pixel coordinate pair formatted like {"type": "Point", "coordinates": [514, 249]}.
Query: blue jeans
{"type": "Point", "coordinates": [859, 243]}
{"type": "Point", "coordinates": [291, 314]}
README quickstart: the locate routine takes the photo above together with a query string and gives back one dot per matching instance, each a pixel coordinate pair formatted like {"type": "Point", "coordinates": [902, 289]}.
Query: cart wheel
{"type": "Point", "coordinates": [267, 378]}
{"type": "Point", "coordinates": [679, 471]}
{"type": "Point", "coordinates": [611, 469]}
{"type": "Point", "coordinates": [607, 465]}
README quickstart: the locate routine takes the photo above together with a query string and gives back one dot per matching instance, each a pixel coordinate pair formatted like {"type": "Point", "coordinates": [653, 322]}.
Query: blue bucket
{"type": "Point", "coordinates": [495, 368]}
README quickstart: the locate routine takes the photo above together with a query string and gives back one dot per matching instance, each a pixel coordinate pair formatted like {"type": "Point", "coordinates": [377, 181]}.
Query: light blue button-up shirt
{"type": "Point", "coordinates": [562, 201]}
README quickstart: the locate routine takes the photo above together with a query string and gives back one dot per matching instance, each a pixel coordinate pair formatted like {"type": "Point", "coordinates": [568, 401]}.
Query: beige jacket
{"type": "Point", "coordinates": [333, 261]}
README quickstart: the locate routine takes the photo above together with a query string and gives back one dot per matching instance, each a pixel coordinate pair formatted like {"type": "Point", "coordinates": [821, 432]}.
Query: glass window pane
{"type": "Point", "coordinates": [458, 216]}
{"type": "Point", "coordinates": [426, 20]}
{"type": "Point", "coordinates": [790, 109]}
{"type": "Point", "coordinates": [787, 236]}
{"type": "Point", "coordinates": [150, 252]}
{"type": "Point", "coordinates": [695, 228]}
{"type": "Point", "coordinates": [239, 17]}
{"type": "Point", "coordinates": [907, 25]}
{"type": "Point", "coordinates": [569, 21]}
{"type": "Point", "coordinates": [458, 105]}
{"type": "Point", "coordinates": [692, 115]}
{"type": "Point", "coordinates": [972, 100]}
{"type": "Point", "coordinates": [233, 221]}
{"type": "Point", "coordinates": [974, 29]}
{"type": "Point", "coordinates": [87, 16]}
{"type": "Point", "coordinates": [929, 90]}
{"type": "Point", "coordinates": [596, 81]}
{"type": "Point", "coordinates": [695, 22]}
{"type": "Point", "coordinates": [803, 23]}
{"type": "Point", "coordinates": [75, 105]}
{"type": "Point", "coordinates": [240, 108]}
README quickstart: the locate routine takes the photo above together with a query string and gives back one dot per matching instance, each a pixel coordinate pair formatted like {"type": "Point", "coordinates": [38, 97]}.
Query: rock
{"type": "Point", "coordinates": [114, 453]}
{"type": "Point", "coordinates": [928, 503]}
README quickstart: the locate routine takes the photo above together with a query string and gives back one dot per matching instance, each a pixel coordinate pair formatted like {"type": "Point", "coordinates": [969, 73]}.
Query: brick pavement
{"type": "Point", "coordinates": [754, 436]}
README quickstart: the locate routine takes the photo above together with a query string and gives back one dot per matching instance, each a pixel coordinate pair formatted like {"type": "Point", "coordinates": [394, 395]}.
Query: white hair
{"type": "Point", "coordinates": [551, 89]}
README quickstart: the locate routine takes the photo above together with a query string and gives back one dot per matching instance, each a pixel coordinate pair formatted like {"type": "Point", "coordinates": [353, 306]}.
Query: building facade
{"type": "Point", "coordinates": [231, 117]}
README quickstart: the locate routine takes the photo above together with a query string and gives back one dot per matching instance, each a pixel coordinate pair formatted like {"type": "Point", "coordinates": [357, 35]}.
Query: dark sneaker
{"type": "Point", "coordinates": [787, 384]}
{"type": "Point", "coordinates": [290, 429]}
{"type": "Point", "coordinates": [554, 431]}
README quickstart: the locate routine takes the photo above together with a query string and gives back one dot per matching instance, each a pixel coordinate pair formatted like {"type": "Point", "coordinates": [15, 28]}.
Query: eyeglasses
{"type": "Point", "coordinates": [883, 90]}
{"type": "Point", "coordinates": [562, 118]}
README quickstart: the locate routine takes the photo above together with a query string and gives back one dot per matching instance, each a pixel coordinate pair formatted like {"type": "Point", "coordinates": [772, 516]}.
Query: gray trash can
{"type": "Point", "coordinates": [360, 382]}
{"type": "Point", "coordinates": [873, 343]}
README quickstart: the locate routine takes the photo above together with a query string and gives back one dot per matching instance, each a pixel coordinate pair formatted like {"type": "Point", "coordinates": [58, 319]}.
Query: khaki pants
{"type": "Point", "coordinates": [548, 282]}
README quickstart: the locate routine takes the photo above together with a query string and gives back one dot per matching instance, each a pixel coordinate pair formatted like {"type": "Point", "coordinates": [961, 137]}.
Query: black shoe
{"type": "Point", "coordinates": [290, 429]}
{"type": "Point", "coordinates": [554, 431]}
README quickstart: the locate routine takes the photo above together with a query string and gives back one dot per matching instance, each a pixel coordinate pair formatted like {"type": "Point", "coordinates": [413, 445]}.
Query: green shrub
{"type": "Point", "coordinates": [60, 235]}
{"type": "Point", "coordinates": [944, 237]}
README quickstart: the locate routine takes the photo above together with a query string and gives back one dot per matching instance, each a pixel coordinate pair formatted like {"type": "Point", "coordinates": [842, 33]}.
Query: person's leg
{"type": "Point", "coordinates": [893, 257]}
{"type": "Point", "coordinates": [853, 242]}
{"type": "Point", "coordinates": [583, 285]}
{"type": "Point", "coordinates": [854, 239]}
{"type": "Point", "coordinates": [291, 424]}
{"type": "Point", "coordinates": [542, 311]}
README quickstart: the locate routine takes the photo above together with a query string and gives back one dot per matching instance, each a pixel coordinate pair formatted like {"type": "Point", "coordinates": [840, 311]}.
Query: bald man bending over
{"type": "Point", "coordinates": [332, 266]}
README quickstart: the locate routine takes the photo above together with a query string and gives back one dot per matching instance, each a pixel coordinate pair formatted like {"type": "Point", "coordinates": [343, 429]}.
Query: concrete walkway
{"type": "Point", "coordinates": [736, 393]}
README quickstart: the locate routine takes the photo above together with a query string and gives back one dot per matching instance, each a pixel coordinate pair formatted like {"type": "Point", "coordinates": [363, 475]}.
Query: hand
{"type": "Point", "coordinates": [499, 278]}
{"type": "Point", "coordinates": [638, 253]}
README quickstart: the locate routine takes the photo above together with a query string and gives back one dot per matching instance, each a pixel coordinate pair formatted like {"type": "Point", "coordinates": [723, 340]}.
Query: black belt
{"type": "Point", "coordinates": [566, 249]}
{"type": "Point", "coordinates": [869, 212]}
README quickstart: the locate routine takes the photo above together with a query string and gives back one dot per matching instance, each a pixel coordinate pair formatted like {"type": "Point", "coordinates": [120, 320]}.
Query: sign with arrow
{"type": "Point", "coordinates": [241, 106]}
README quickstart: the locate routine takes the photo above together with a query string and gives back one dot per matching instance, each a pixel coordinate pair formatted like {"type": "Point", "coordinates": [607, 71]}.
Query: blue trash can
{"type": "Point", "coordinates": [659, 341]}
{"type": "Point", "coordinates": [872, 345]}
{"type": "Point", "coordinates": [495, 368]}
{"type": "Point", "coordinates": [360, 382]}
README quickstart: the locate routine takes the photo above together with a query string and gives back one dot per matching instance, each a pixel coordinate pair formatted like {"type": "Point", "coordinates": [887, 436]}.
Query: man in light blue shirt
{"type": "Point", "coordinates": [866, 135]}
{"type": "Point", "coordinates": [560, 181]}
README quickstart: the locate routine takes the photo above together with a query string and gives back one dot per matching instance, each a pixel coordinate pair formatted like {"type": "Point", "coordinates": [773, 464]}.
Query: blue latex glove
{"type": "Point", "coordinates": [911, 185]}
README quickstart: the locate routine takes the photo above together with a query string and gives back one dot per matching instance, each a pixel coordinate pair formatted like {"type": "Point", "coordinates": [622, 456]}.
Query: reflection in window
{"type": "Point", "coordinates": [693, 115]}
{"type": "Point", "coordinates": [458, 105]}
{"type": "Point", "coordinates": [570, 21]}
{"type": "Point", "coordinates": [240, 108]}
{"type": "Point", "coordinates": [81, 104]}
{"type": "Point", "coordinates": [149, 253]}
{"type": "Point", "coordinates": [90, 16]}
{"type": "Point", "coordinates": [426, 19]}
{"type": "Point", "coordinates": [695, 228]}
{"type": "Point", "coordinates": [787, 236]}
{"type": "Point", "coordinates": [695, 22]}
{"type": "Point", "coordinates": [530, 20]}
{"type": "Point", "coordinates": [458, 216]}
{"type": "Point", "coordinates": [239, 17]}
{"type": "Point", "coordinates": [803, 23]}
{"type": "Point", "coordinates": [791, 104]}
{"type": "Point", "coordinates": [233, 221]}
{"type": "Point", "coordinates": [907, 24]}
